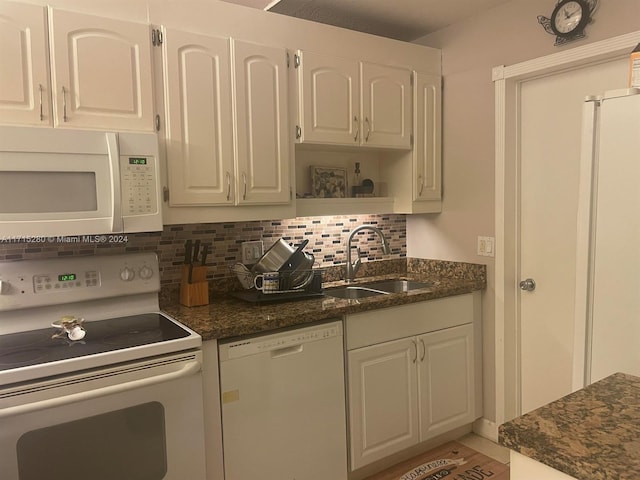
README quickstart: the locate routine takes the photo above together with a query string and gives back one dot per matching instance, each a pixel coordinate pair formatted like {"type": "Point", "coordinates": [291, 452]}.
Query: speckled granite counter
{"type": "Point", "coordinates": [227, 317]}
{"type": "Point", "coordinates": [591, 434]}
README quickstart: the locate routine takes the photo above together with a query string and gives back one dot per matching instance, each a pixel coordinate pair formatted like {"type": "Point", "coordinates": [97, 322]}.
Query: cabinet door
{"type": "Point", "coordinates": [386, 106]}
{"type": "Point", "coordinates": [427, 162]}
{"type": "Point", "coordinates": [101, 72]}
{"type": "Point", "coordinates": [383, 402]}
{"type": "Point", "coordinates": [329, 98]}
{"type": "Point", "coordinates": [262, 128]}
{"type": "Point", "coordinates": [197, 76]}
{"type": "Point", "coordinates": [24, 71]}
{"type": "Point", "coordinates": [446, 378]}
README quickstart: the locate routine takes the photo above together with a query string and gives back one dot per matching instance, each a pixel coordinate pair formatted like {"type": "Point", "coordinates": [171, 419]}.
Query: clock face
{"type": "Point", "coordinates": [569, 17]}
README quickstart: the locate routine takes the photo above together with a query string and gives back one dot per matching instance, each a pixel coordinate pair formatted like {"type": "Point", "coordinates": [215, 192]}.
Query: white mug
{"type": "Point", "coordinates": [267, 282]}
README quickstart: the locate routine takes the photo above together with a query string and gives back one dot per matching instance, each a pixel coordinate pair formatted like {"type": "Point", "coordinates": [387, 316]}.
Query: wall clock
{"type": "Point", "coordinates": [569, 19]}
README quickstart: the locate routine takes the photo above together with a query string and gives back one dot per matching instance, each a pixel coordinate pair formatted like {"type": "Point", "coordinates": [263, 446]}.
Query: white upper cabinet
{"type": "Point", "coordinates": [24, 65]}
{"type": "Point", "coordinates": [386, 106]}
{"type": "Point", "coordinates": [101, 72]}
{"type": "Point", "coordinates": [427, 176]}
{"type": "Point", "coordinates": [346, 102]}
{"type": "Point", "coordinates": [262, 129]}
{"type": "Point", "coordinates": [197, 75]}
{"type": "Point", "coordinates": [226, 121]}
{"type": "Point", "coordinates": [330, 93]}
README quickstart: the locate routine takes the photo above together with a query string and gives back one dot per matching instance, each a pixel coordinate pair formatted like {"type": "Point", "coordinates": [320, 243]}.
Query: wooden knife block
{"type": "Point", "coordinates": [196, 293]}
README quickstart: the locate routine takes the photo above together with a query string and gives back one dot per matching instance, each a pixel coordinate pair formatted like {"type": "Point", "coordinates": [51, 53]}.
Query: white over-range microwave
{"type": "Point", "coordinates": [73, 182]}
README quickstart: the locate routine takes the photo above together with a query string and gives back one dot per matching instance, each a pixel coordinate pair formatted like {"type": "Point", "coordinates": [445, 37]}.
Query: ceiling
{"type": "Point", "coordinates": [404, 20]}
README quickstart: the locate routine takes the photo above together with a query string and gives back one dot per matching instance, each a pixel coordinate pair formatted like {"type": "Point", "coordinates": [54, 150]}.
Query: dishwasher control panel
{"type": "Point", "coordinates": [277, 341]}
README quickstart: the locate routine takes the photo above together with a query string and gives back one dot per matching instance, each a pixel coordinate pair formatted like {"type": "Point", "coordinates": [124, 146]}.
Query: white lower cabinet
{"type": "Point", "coordinates": [411, 389]}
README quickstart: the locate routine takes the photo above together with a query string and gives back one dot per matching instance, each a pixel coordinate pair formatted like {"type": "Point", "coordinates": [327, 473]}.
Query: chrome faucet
{"type": "Point", "coordinates": [352, 268]}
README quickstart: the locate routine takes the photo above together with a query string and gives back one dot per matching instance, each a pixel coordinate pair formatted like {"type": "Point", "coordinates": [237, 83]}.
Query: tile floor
{"type": "Point", "coordinates": [486, 447]}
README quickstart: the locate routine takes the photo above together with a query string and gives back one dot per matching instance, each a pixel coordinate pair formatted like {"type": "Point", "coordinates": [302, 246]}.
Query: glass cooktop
{"type": "Point", "coordinates": [36, 347]}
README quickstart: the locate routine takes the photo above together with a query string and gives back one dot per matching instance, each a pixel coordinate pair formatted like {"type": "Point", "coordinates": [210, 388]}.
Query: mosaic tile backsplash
{"type": "Point", "coordinates": [327, 237]}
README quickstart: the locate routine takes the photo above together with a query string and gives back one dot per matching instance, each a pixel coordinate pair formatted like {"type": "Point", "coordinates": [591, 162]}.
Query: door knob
{"type": "Point", "coordinates": [528, 285]}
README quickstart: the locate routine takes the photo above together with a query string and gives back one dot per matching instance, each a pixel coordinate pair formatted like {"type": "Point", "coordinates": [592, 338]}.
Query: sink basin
{"type": "Point", "coordinates": [372, 289]}
{"type": "Point", "coordinates": [396, 286]}
{"type": "Point", "coordinates": [355, 292]}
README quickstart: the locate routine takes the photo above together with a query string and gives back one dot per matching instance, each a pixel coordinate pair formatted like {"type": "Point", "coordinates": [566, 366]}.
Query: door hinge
{"type": "Point", "coordinates": [411, 139]}
{"type": "Point", "coordinates": [290, 193]}
{"type": "Point", "coordinates": [157, 123]}
{"type": "Point", "coordinates": [298, 132]}
{"type": "Point", "coordinates": [288, 59]}
{"type": "Point", "coordinates": [156, 37]}
{"type": "Point", "coordinates": [165, 194]}
{"type": "Point", "coordinates": [296, 60]}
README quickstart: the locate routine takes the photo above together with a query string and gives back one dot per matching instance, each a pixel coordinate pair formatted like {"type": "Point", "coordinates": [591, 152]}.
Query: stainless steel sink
{"type": "Point", "coordinates": [353, 292]}
{"type": "Point", "coordinates": [396, 286]}
{"type": "Point", "coordinates": [372, 289]}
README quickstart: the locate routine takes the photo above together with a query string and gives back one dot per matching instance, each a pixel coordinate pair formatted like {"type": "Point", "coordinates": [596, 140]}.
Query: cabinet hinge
{"type": "Point", "coordinates": [296, 60]}
{"type": "Point", "coordinates": [411, 78]}
{"type": "Point", "coordinates": [411, 139]}
{"type": "Point", "coordinates": [156, 37]}
{"type": "Point", "coordinates": [290, 193]}
{"type": "Point", "coordinates": [298, 132]}
{"type": "Point", "coordinates": [165, 194]}
{"type": "Point", "coordinates": [157, 123]}
{"type": "Point", "coordinates": [288, 58]}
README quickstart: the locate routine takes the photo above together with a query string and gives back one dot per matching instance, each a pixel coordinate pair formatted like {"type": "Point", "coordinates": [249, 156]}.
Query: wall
{"type": "Point", "coordinates": [504, 35]}
{"type": "Point", "coordinates": [327, 236]}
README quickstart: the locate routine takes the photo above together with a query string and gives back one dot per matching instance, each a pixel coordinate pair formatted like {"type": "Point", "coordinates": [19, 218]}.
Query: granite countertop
{"type": "Point", "coordinates": [591, 434]}
{"type": "Point", "coordinates": [228, 317]}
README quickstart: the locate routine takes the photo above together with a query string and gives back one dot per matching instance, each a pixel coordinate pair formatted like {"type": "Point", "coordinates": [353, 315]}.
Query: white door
{"type": "Point", "coordinates": [24, 74]}
{"type": "Point", "coordinates": [197, 76]}
{"type": "Point", "coordinates": [550, 153]}
{"type": "Point", "coordinates": [329, 99]}
{"type": "Point", "coordinates": [615, 335]}
{"type": "Point", "coordinates": [262, 127]}
{"type": "Point", "coordinates": [386, 106]}
{"type": "Point", "coordinates": [427, 148]}
{"type": "Point", "coordinates": [101, 74]}
{"type": "Point", "coordinates": [383, 400]}
{"type": "Point", "coordinates": [446, 380]}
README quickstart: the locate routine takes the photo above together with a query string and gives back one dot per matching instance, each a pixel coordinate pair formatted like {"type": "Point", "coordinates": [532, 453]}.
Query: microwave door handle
{"type": "Point", "coordinates": [116, 194]}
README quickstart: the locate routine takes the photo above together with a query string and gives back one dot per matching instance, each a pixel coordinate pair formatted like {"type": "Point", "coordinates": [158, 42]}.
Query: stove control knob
{"type": "Point", "coordinates": [127, 274]}
{"type": "Point", "coordinates": [146, 273]}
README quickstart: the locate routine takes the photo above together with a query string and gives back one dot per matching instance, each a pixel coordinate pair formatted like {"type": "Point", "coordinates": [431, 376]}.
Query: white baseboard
{"type": "Point", "coordinates": [486, 428]}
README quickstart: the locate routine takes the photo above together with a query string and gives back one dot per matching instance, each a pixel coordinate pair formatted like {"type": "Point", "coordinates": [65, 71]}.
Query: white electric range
{"type": "Point", "coordinates": [95, 382]}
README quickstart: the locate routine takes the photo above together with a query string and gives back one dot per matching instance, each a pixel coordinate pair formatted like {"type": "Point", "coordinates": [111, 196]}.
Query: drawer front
{"type": "Point", "coordinates": [369, 328]}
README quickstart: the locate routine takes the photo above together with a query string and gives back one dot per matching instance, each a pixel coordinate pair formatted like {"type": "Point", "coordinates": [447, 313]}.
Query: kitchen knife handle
{"type": "Point", "coordinates": [187, 252]}
{"type": "Point", "coordinates": [205, 252]}
{"type": "Point", "coordinates": [196, 251]}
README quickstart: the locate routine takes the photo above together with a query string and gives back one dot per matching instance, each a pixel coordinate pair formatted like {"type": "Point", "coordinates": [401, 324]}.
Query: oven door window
{"type": "Point", "coordinates": [125, 444]}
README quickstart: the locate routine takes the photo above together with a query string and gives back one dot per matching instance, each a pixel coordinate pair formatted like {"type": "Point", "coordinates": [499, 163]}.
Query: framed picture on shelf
{"type": "Point", "coordinates": [329, 182]}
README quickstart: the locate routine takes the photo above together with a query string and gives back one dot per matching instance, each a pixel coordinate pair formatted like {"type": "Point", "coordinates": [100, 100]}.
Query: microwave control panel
{"type": "Point", "coordinates": [139, 195]}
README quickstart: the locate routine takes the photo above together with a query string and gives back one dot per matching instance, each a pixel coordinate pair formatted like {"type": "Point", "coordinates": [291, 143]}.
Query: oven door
{"type": "Point", "coordinates": [141, 420]}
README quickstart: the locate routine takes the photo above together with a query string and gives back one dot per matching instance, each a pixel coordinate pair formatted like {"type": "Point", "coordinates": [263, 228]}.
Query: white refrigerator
{"type": "Point", "coordinates": [608, 254]}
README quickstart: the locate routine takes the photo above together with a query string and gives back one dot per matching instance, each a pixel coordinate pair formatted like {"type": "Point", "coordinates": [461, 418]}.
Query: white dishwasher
{"type": "Point", "coordinates": [283, 405]}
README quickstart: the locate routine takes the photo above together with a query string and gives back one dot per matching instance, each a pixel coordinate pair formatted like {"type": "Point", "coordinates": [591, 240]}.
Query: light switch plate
{"type": "Point", "coordinates": [486, 246]}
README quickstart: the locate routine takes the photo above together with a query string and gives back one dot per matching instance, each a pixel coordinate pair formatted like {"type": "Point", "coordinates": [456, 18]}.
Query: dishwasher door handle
{"type": "Point", "coordinates": [285, 352]}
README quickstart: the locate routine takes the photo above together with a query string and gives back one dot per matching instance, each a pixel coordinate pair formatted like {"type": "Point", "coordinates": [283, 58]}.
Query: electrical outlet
{"type": "Point", "coordinates": [251, 251]}
{"type": "Point", "coordinates": [486, 246]}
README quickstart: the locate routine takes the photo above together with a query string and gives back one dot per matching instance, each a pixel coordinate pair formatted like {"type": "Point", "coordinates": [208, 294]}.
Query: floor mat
{"type": "Point", "coordinates": [451, 461]}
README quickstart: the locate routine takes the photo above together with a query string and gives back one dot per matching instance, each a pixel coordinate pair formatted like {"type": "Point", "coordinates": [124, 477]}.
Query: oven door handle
{"type": "Point", "coordinates": [189, 368]}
